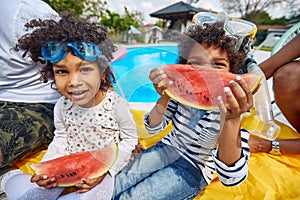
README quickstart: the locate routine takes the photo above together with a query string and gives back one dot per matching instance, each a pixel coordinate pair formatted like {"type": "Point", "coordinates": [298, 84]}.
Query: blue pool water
{"type": "Point", "coordinates": [133, 70]}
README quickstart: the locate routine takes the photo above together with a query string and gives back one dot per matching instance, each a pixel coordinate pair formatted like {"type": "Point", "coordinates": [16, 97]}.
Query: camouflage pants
{"type": "Point", "coordinates": [25, 128]}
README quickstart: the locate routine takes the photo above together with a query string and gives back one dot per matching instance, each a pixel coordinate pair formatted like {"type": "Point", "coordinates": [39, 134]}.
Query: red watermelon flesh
{"type": "Point", "coordinates": [198, 86]}
{"type": "Point", "coordinates": [69, 170]}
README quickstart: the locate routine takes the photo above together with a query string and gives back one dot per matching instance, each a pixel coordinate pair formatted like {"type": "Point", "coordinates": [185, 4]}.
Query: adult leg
{"type": "Point", "coordinates": [287, 92]}
{"type": "Point", "coordinates": [24, 129]}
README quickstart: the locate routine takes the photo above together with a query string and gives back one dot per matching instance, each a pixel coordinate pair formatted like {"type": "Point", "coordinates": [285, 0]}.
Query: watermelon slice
{"type": "Point", "coordinates": [198, 86]}
{"type": "Point", "coordinates": [69, 170]}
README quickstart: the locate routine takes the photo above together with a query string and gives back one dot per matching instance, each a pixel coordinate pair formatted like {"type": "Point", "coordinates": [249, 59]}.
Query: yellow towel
{"type": "Point", "coordinates": [270, 177]}
{"type": "Point", "coordinates": [145, 139]}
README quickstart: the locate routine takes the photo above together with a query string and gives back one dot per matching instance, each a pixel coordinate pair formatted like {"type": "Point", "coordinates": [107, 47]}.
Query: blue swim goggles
{"type": "Point", "coordinates": [55, 51]}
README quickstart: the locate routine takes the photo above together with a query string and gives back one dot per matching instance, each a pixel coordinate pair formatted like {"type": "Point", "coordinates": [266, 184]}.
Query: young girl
{"type": "Point", "coordinates": [201, 142]}
{"type": "Point", "coordinates": [90, 115]}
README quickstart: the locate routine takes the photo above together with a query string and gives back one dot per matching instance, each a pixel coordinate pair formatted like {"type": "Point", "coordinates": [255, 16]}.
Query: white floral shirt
{"type": "Point", "coordinates": [84, 129]}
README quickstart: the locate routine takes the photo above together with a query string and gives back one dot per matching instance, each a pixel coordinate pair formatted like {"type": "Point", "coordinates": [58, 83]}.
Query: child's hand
{"type": "Point", "coordinates": [159, 80]}
{"type": "Point", "coordinates": [88, 184]}
{"type": "Point", "coordinates": [239, 99]}
{"type": "Point", "coordinates": [44, 181]}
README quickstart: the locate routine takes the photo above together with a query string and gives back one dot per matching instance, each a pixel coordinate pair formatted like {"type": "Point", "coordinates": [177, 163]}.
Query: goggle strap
{"type": "Point", "coordinates": [222, 18]}
{"type": "Point", "coordinates": [117, 81]}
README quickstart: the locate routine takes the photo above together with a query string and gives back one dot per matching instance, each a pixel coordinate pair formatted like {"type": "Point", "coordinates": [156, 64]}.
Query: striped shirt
{"type": "Point", "coordinates": [198, 143]}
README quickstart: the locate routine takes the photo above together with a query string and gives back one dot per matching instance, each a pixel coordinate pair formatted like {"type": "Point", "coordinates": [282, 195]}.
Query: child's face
{"type": "Point", "coordinates": [209, 56]}
{"type": "Point", "coordinates": [78, 80]}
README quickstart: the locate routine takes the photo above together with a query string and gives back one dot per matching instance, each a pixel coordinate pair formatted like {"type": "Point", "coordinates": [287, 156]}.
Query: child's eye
{"type": "Point", "coordinates": [86, 69]}
{"type": "Point", "coordinates": [60, 72]}
{"type": "Point", "coordinates": [198, 63]}
{"type": "Point", "coordinates": [194, 63]}
{"type": "Point", "coordinates": [219, 65]}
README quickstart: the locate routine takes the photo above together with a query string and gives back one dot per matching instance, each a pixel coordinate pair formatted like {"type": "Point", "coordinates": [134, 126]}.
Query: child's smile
{"type": "Point", "coordinates": [78, 80]}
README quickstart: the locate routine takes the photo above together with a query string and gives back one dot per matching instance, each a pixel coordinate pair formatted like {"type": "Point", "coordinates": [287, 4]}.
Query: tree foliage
{"type": "Point", "coordinates": [97, 11]}
{"type": "Point", "coordinates": [263, 18]}
{"type": "Point", "coordinates": [94, 9]}
{"type": "Point", "coordinates": [120, 24]}
{"type": "Point", "coordinates": [76, 6]}
{"type": "Point", "coordinates": [250, 9]}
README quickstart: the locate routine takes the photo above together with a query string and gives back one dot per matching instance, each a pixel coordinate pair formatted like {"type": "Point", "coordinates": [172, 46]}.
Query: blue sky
{"type": "Point", "coordinates": [150, 6]}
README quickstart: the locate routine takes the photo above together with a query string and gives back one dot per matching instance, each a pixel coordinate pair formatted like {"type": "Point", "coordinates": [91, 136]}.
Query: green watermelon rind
{"type": "Point", "coordinates": [170, 94]}
{"type": "Point", "coordinates": [37, 169]}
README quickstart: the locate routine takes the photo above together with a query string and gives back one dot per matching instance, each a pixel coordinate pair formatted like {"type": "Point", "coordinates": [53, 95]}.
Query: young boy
{"type": "Point", "coordinates": [201, 142]}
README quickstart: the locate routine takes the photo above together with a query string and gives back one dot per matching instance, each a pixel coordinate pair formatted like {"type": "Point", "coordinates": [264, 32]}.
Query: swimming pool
{"type": "Point", "coordinates": [133, 70]}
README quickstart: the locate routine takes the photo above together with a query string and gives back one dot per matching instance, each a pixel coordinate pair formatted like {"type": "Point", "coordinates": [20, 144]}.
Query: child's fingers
{"type": "Point", "coordinates": [85, 185]}
{"type": "Point", "coordinates": [231, 100]}
{"type": "Point", "coordinates": [246, 90]}
{"type": "Point", "coordinates": [241, 93]}
{"type": "Point", "coordinates": [36, 178]}
{"type": "Point", "coordinates": [156, 75]}
{"type": "Point", "coordinates": [223, 110]}
{"type": "Point", "coordinates": [88, 182]}
{"type": "Point", "coordinates": [44, 181]}
{"type": "Point", "coordinates": [221, 105]}
{"type": "Point", "coordinates": [83, 190]}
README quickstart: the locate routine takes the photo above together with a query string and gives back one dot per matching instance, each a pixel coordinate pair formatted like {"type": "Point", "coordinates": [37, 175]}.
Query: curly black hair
{"type": "Point", "coordinates": [69, 28]}
{"type": "Point", "coordinates": [213, 35]}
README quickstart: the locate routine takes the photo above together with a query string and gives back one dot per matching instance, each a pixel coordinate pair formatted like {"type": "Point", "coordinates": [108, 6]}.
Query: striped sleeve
{"type": "Point", "coordinates": [171, 109]}
{"type": "Point", "coordinates": [234, 175]}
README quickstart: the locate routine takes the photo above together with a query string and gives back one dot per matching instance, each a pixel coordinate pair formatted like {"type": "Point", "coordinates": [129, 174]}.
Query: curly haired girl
{"type": "Point", "coordinates": [90, 115]}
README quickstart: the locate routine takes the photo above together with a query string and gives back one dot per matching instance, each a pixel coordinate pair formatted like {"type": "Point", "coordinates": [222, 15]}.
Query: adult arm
{"type": "Point", "coordinates": [286, 54]}
{"type": "Point", "coordinates": [287, 146]}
